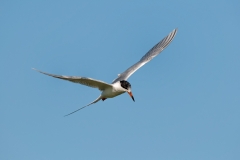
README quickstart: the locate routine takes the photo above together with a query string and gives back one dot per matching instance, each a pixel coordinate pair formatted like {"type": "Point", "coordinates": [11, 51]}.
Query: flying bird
{"type": "Point", "coordinates": [120, 85]}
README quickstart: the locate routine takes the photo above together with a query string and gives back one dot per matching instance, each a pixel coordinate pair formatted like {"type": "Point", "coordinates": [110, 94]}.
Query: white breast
{"type": "Point", "coordinates": [113, 91]}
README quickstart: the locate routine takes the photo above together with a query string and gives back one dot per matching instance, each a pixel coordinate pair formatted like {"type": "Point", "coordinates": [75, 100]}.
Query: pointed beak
{"type": "Point", "coordinates": [130, 94]}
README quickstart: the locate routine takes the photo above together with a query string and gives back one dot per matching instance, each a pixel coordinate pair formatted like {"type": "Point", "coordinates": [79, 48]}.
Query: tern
{"type": "Point", "coordinates": [120, 85]}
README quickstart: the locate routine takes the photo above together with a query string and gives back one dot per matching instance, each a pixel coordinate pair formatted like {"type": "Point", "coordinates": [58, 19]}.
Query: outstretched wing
{"type": "Point", "coordinates": [82, 80]}
{"type": "Point", "coordinates": [147, 57]}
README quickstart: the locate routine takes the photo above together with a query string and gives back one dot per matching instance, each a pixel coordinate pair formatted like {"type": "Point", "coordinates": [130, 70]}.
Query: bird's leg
{"type": "Point", "coordinates": [103, 99]}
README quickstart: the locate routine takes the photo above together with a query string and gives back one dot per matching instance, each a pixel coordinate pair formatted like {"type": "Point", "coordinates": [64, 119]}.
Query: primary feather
{"type": "Point", "coordinates": [158, 48]}
{"type": "Point", "coordinates": [82, 80]}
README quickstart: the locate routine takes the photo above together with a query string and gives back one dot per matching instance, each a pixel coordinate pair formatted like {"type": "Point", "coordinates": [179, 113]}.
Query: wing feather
{"type": "Point", "coordinates": [82, 80]}
{"type": "Point", "coordinates": [148, 56]}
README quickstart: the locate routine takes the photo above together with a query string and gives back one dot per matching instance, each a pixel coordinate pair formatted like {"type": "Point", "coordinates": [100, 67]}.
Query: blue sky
{"type": "Point", "coordinates": [187, 98]}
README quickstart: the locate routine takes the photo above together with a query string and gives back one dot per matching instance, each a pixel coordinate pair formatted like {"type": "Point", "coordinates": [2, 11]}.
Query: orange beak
{"type": "Point", "coordinates": [130, 94]}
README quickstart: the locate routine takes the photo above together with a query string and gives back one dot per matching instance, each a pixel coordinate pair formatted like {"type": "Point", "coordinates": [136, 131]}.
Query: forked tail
{"type": "Point", "coordinates": [85, 106]}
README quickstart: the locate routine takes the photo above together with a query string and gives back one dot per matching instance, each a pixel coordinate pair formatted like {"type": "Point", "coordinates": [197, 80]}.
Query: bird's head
{"type": "Point", "coordinates": [127, 86]}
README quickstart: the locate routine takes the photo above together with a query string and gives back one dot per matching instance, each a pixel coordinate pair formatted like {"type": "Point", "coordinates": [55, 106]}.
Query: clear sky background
{"type": "Point", "coordinates": [187, 98]}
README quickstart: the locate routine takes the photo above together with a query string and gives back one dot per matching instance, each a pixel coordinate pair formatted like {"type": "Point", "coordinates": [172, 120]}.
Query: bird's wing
{"type": "Point", "coordinates": [85, 106]}
{"type": "Point", "coordinates": [82, 80]}
{"type": "Point", "coordinates": [147, 57]}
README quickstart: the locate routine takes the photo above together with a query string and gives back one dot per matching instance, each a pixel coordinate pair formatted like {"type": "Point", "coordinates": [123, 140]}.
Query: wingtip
{"type": "Point", "coordinates": [174, 32]}
{"type": "Point", "coordinates": [176, 29]}
{"type": "Point", "coordinates": [34, 69]}
{"type": "Point", "coordinates": [66, 115]}
{"type": "Point", "coordinates": [39, 71]}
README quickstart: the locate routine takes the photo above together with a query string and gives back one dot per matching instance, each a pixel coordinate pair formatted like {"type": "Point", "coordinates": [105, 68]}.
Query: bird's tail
{"type": "Point", "coordinates": [85, 106]}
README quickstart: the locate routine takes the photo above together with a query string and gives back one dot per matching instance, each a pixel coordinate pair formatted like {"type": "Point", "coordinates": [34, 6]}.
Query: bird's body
{"type": "Point", "coordinates": [120, 85]}
{"type": "Point", "coordinates": [113, 91]}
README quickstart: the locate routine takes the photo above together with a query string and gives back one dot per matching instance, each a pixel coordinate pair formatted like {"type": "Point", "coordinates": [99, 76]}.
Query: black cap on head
{"type": "Point", "coordinates": [125, 84]}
